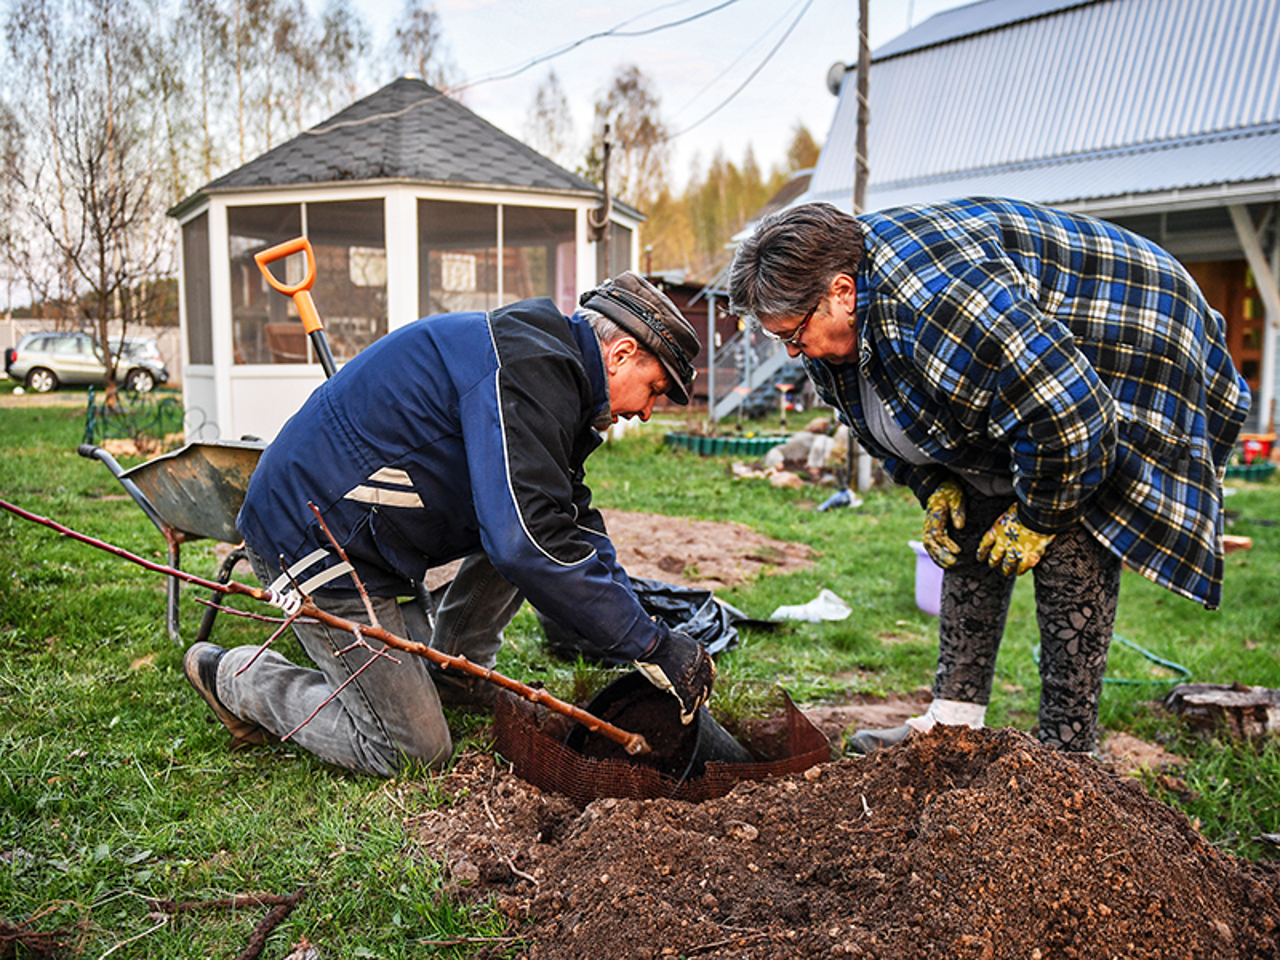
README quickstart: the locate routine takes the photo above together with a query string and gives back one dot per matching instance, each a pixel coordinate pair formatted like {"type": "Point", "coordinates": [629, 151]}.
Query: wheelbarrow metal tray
{"type": "Point", "coordinates": [198, 490]}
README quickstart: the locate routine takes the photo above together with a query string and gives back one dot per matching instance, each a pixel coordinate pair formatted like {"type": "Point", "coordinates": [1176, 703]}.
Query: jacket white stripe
{"type": "Point", "coordinates": [390, 475]}
{"type": "Point", "coordinates": [323, 577]}
{"type": "Point", "coordinates": [384, 498]}
{"type": "Point", "coordinates": [293, 572]}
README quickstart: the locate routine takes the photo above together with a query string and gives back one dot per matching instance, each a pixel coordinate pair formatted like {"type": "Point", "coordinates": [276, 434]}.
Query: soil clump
{"type": "Point", "coordinates": [960, 843]}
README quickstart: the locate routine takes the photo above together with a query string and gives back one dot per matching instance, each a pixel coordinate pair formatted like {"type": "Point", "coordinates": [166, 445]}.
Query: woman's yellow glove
{"type": "Point", "coordinates": [1012, 547]}
{"type": "Point", "coordinates": [944, 509]}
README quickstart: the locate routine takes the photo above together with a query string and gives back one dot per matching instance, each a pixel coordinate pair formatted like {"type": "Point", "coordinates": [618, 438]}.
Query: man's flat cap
{"type": "Point", "coordinates": [648, 314]}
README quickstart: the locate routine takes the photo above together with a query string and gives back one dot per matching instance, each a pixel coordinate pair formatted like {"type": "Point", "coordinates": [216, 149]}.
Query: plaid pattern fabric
{"type": "Point", "coordinates": [1064, 352]}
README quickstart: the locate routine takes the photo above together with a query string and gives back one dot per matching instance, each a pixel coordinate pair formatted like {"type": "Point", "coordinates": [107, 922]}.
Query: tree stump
{"type": "Point", "coordinates": [1244, 711]}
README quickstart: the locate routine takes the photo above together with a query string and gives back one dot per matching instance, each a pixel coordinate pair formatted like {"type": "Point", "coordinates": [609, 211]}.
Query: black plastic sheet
{"type": "Point", "coordinates": [709, 621]}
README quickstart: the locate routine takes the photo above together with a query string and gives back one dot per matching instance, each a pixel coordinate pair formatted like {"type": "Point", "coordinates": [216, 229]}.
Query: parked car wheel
{"type": "Point", "coordinates": [41, 380]}
{"type": "Point", "coordinates": [140, 381]}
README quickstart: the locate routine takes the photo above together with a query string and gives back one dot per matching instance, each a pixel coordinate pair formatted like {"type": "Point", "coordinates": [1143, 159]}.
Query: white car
{"type": "Point", "coordinates": [45, 361]}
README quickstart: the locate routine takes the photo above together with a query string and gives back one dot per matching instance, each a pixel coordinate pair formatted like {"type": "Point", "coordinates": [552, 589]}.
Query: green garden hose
{"type": "Point", "coordinates": [1183, 674]}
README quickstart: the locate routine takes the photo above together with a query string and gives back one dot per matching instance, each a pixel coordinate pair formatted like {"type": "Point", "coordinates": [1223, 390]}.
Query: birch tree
{"type": "Point", "coordinates": [549, 125]}
{"type": "Point", "coordinates": [418, 46]}
{"type": "Point", "coordinates": [345, 47]}
{"type": "Point", "coordinates": [631, 110]}
{"type": "Point", "coordinates": [203, 33]}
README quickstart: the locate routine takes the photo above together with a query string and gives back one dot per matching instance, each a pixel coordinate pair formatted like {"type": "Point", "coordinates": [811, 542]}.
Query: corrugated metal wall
{"type": "Point", "coordinates": [1101, 76]}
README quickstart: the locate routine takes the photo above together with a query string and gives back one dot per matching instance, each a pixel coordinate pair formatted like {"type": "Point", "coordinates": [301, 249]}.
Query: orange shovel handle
{"type": "Point", "coordinates": [299, 291]}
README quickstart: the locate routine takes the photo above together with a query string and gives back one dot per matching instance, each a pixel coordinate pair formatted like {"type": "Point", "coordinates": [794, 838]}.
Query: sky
{"type": "Point", "coordinates": [695, 67]}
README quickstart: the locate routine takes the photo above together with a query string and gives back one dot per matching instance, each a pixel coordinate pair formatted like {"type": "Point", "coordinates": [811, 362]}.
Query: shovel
{"type": "Point", "coordinates": [301, 294]}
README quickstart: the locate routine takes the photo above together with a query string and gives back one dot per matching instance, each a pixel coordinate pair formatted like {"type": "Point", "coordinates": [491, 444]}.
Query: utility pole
{"type": "Point", "coordinates": [606, 228]}
{"type": "Point", "coordinates": [711, 359]}
{"type": "Point", "coordinates": [598, 221]}
{"type": "Point", "coordinates": [861, 169]}
{"type": "Point", "coordinates": [859, 459]}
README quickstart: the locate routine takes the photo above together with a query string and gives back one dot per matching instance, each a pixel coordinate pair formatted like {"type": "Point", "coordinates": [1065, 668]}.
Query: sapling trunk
{"type": "Point", "coordinates": [633, 743]}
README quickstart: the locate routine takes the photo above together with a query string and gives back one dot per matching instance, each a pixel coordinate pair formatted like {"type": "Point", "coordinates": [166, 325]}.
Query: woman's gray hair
{"type": "Point", "coordinates": [786, 266]}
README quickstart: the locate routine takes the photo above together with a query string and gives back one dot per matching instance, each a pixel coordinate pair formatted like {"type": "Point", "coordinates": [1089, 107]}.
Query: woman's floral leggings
{"type": "Point", "coordinates": [1077, 585]}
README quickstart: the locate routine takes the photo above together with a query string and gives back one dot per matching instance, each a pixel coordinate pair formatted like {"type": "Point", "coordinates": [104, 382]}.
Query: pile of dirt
{"type": "Point", "coordinates": [962, 843]}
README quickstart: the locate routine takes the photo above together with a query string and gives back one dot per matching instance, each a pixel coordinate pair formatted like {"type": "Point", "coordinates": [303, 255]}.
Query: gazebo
{"type": "Point", "coordinates": [413, 205]}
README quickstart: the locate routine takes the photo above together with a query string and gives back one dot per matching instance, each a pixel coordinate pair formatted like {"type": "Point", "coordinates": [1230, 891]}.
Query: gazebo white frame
{"type": "Point", "coordinates": [225, 400]}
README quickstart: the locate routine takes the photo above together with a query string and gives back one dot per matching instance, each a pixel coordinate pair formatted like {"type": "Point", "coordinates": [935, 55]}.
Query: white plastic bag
{"type": "Point", "coordinates": [825, 606]}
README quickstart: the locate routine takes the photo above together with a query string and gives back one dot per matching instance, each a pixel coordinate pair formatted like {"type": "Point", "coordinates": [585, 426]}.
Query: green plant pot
{"type": "Point", "coordinates": [1254, 472]}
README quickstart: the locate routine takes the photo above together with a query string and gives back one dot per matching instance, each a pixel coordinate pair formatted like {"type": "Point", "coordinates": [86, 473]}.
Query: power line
{"type": "Point", "coordinates": [616, 31]}
{"type": "Point", "coordinates": [742, 56]}
{"type": "Point", "coordinates": [760, 66]}
{"type": "Point", "coordinates": [612, 32]}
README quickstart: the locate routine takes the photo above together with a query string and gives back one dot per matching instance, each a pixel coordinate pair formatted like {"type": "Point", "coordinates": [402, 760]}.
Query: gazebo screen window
{"type": "Point", "coordinates": [617, 259]}
{"type": "Point", "coordinates": [350, 291]}
{"type": "Point", "coordinates": [458, 257]}
{"type": "Point", "coordinates": [196, 289]}
{"type": "Point", "coordinates": [538, 256]}
{"type": "Point", "coordinates": [349, 239]}
{"type": "Point", "coordinates": [256, 309]}
{"type": "Point", "coordinates": [459, 246]}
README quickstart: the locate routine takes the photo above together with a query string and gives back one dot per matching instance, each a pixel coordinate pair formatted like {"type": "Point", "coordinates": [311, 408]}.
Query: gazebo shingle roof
{"type": "Point", "coordinates": [407, 130]}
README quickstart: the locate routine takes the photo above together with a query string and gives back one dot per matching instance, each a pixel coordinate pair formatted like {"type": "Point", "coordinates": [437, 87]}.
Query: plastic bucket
{"type": "Point", "coordinates": [1256, 447]}
{"type": "Point", "coordinates": [928, 580]}
{"type": "Point", "coordinates": [679, 751]}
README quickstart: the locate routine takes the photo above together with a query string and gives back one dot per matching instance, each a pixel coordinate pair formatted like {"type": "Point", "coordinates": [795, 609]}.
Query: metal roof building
{"type": "Point", "coordinates": [1161, 115]}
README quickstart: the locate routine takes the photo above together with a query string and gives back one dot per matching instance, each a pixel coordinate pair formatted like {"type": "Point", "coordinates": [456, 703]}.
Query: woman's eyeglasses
{"type": "Point", "coordinates": [796, 334]}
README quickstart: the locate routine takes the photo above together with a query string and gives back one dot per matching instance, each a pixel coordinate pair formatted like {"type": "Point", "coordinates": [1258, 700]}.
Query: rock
{"type": "Point", "coordinates": [464, 871]}
{"type": "Point", "coordinates": [786, 480]}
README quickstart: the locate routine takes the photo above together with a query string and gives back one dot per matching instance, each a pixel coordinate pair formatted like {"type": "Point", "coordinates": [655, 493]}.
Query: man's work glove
{"type": "Point", "coordinates": [681, 666]}
{"type": "Point", "coordinates": [944, 509]}
{"type": "Point", "coordinates": [1012, 547]}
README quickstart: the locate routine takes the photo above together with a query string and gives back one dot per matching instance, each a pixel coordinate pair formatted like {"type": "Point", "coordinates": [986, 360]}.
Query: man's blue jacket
{"type": "Point", "coordinates": [454, 434]}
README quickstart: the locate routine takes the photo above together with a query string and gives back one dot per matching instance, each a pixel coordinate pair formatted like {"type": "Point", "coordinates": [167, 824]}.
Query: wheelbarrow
{"type": "Point", "coordinates": [191, 494]}
{"type": "Point", "coordinates": [195, 493]}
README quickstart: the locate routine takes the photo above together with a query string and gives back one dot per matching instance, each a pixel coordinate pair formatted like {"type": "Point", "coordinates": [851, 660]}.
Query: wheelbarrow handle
{"type": "Point", "coordinates": [300, 292]}
{"type": "Point", "coordinates": [91, 452]}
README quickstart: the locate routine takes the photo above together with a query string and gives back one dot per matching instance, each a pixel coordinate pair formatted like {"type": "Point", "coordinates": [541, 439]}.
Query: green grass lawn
{"type": "Point", "coordinates": [114, 788]}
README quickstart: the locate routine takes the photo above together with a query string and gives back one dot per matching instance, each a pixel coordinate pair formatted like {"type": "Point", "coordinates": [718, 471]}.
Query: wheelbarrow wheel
{"type": "Point", "coordinates": [224, 574]}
